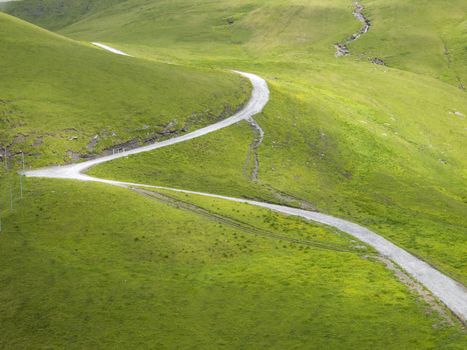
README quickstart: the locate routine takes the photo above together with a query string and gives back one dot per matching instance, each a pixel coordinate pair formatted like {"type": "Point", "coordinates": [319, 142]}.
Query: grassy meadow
{"type": "Point", "coordinates": [92, 266]}
{"type": "Point", "coordinates": [108, 268]}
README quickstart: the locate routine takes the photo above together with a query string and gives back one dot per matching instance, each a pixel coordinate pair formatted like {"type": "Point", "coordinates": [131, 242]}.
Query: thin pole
{"type": "Point", "coordinates": [21, 185]}
{"type": "Point", "coordinates": [22, 158]}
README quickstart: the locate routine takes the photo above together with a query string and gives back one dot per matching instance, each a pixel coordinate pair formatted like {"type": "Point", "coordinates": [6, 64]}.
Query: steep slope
{"type": "Point", "coordinates": [61, 100]}
{"type": "Point", "coordinates": [55, 14]}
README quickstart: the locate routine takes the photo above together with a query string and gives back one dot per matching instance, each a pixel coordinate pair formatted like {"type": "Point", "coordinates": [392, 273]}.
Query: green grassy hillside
{"type": "Point", "coordinates": [60, 100]}
{"type": "Point", "coordinates": [222, 29]}
{"type": "Point", "coordinates": [427, 37]}
{"type": "Point", "coordinates": [383, 158]}
{"type": "Point", "coordinates": [431, 42]}
{"type": "Point", "coordinates": [137, 273]}
{"type": "Point", "coordinates": [379, 145]}
{"type": "Point", "coordinates": [92, 266]}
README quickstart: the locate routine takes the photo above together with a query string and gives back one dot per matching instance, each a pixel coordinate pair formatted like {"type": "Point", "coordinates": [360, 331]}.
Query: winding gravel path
{"type": "Point", "coordinates": [450, 292]}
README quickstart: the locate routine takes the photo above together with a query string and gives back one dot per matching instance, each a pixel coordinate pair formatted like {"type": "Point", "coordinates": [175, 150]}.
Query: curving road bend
{"type": "Point", "coordinates": [450, 292]}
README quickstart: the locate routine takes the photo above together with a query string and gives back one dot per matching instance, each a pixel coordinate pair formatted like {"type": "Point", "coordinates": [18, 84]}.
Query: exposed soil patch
{"type": "Point", "coordinates": [38, 141]}
{"type": "Point", "coordinates": [377, 60]}
{"type": "Point", "coordinates": [19, 138]}
{"type": "Point", "coordinates": [90, 146]}
{"type": "Point", "coordinates": [74, 156]}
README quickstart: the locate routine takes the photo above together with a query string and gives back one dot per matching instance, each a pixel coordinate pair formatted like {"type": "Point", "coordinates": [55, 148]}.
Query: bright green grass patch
{"type": "Point", "coordinates": [108, 268]}
{"type": "Point", "coordinates": [57, 95]}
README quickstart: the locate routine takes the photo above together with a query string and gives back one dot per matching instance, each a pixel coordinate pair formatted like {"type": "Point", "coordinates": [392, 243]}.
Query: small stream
{"type": "Point", "coordinates": [342, 48]}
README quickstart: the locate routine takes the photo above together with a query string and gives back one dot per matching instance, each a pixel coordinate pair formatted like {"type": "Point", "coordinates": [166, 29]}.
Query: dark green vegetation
{"type": "Point", "coordinates": [54, 14]}
{"type": "Point", "coordinates": [56, 95]}
{"type": "Point", "coordinates": [130, 272]}
{"type": "Point", "coordinates": [380, 145]}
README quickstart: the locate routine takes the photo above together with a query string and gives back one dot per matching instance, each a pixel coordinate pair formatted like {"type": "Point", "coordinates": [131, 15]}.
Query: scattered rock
{"type": "Point", "coordinates": [168, 129]}
{"type": "Point", "coordinates": [38, 141]}
{"type": "Point", "coordinates": [377, 60]}
{"type": "Point", "coordinates": [230, 20]}
{"type": "Point", "coordinates": [18, 139]}
{"type": "Point", "coordinates": [341, 50]}
{"type": "Point", "coordinates": [90, 146]}
{"type": "Point", "coordinates": [74, 156]}
{"type": "Point", "coordinates": [459, 114]}
{"type": "Point", "coordinates": [73, 138]}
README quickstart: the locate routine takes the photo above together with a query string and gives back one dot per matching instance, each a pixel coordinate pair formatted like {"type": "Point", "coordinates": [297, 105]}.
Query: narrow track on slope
{"type": "Point", "coordinates": [451, 293]}
{"type": "Point", "coordinates": [240, 225]}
